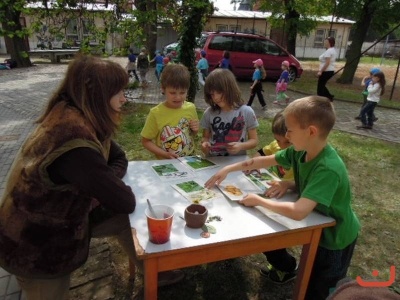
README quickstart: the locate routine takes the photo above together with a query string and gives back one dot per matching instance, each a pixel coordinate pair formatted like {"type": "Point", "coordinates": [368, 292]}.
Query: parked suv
{"type": "Point", "coordinates": [245, 48]}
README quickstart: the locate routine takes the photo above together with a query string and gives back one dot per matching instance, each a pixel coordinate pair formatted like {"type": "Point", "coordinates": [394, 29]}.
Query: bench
{"type": "Point", "coordinates": [53, 54]}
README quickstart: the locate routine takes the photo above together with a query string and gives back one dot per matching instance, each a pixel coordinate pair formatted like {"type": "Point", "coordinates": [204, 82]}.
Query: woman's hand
{"type": "Point", "coordinates": [277, 189]}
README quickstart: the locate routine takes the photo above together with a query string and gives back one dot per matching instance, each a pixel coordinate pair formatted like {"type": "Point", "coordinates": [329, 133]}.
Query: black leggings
{"type": "Point", "coordinates": [257, 90]}
{"type": "Point", "coordinates": [321, 88]}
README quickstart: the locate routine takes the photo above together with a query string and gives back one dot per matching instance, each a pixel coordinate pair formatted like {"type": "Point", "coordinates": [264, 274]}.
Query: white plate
{"type": "Point", "coordinates": [232, 196]}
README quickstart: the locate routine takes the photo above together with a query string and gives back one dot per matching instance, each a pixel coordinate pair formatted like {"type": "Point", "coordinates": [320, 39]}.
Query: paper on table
{"type": "Point", "coordinates": [195, 192]}
{"type": "Point", "coordinates": [171, 171]}
{"type": "Point", "coordinates": [261, 179]}
{"type": "Point", "coordinates": [197, 163]}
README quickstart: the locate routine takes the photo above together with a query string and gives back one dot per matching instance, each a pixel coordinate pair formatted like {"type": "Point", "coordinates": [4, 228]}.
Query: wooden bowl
{"type": "Point", "coordinates": [195, 215]}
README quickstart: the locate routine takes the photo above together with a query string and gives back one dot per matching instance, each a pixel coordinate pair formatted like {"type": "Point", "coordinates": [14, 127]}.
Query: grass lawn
{"type": "Point", "coordinates": [351, 92]}
{"type": "Point", "coordinates": [374, 168]}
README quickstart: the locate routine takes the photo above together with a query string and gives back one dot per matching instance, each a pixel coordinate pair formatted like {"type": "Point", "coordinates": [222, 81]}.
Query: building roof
{"type": "Point", "coordinates": [245, 14]}
{"type": "Point", "coordinates": [88, 6]}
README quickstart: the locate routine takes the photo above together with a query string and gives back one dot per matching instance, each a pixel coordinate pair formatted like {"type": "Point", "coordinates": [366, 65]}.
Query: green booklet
{"type": "Point", "coordinates": [195, 192]}
{"type": "Point", "coordinates": [261, 178]}
{"type": "Point", "coordinates": [171, 171]}
{"type": "Point", "coordinates": [197, 163]}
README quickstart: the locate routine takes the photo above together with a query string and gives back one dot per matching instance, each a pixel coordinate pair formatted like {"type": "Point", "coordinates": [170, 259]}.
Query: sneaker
{"type": "Point", "coordinates": [264, 107]}
{"type": "Point", "coordinates": [170, 277]}
{"type": "Point", "coordinates": [275, 102]}
{"type": "Point", "coordinates": [358, 118]}
{"type": "Point", "coordinates": [278, 277]}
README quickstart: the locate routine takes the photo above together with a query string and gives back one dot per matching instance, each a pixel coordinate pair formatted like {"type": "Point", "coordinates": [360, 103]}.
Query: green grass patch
{"type": "Point", "coordinates": [374, 169]}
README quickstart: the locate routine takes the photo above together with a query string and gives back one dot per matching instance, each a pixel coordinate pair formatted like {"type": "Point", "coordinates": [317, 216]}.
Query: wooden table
{"type": "Point", "coordinates": [242, 231]}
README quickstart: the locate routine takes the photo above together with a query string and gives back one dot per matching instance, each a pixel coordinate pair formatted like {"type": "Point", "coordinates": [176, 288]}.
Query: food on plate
{"type": "Point", "coordinates": [233, 190]}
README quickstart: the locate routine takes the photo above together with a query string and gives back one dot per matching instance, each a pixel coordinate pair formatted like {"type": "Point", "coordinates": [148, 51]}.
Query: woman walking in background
{"type": "Point", "coordinates": [326, 67]}
{"type": "Point", "coordinates": [143, 66]}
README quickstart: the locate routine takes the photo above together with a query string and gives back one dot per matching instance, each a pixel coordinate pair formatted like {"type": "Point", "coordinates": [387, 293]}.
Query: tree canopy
{"type": "Point", "coordinates": [378, 14]}
{"type": "Point", "coordinates": [295, 16]}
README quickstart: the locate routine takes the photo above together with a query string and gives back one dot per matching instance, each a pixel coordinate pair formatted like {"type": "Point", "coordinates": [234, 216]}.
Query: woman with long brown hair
{"type": "Point", "coordinates": [65, 184]}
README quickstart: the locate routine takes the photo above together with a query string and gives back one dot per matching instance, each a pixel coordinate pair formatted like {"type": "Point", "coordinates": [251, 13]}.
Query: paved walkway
{"type": "Point", "coordinates": [23, 93]}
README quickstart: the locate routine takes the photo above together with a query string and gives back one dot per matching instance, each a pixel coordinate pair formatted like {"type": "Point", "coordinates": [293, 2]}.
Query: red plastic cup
{"type": "Point", "coordinates": [160, 225]}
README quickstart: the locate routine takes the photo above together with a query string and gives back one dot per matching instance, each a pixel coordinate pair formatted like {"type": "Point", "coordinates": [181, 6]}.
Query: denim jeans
{"type": "Point", "coordinates": [367, 113]}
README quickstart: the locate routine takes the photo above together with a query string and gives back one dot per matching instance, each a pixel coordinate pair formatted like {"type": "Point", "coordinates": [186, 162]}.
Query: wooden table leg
{"type": "Point", "coordinates": [150, 279]}
{"type": "Point", "coordinates": [306, 264]}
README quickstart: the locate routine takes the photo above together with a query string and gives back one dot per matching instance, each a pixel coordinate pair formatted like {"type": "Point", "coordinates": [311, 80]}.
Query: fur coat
{"type": "Point", "coordinates": [44, 226]}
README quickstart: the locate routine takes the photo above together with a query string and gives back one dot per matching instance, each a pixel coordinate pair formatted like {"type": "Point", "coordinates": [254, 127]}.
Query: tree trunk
{"type": "Point", "coordinates": [149, 8]}
{"type": "Point", "coordinates": [292, 19]}
{"type": "Point", "coordinates": [354, 52]}
{"type": "Point", "coordinates": [191, 29]}
{"type": "Point", "coordinates": [151, 32]}
{"type": "Point", "coordinates": [16, 44]}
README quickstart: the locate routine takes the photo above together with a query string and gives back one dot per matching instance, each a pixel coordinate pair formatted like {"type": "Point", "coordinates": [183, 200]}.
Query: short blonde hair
{"type": "Point", "coordinates": [313, 110]}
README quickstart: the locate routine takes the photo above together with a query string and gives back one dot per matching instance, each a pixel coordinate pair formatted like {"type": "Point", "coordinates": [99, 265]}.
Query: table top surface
{"type": "Point", "coordinates": [238, 221]}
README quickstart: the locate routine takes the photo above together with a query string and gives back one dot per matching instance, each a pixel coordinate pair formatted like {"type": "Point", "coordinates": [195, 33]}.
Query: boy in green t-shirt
{"type": "Point", "coordinates": [171, 125]}
{"type": "Point", "coordinates": [322, 181]}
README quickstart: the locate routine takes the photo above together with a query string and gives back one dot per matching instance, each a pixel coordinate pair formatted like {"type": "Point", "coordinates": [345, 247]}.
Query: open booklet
{"type": "Point", "coordinates": [171, 171]}
{"type": "Point", "coordinates": [197, 163]}
{"type": "Point", "coordinates": [195, 191]}
{"type": "Point", "coordinates": [260, 179]}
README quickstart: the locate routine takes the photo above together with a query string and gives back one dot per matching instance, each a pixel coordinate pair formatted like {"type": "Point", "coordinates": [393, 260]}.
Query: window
{"type": "Point", "coordinates": [321, 35]}
{"type": "Point", "coordinates": [270, 48]}
{"type": "Point", "coordinates": [220, 42]}
{"type": "Point", "coordinates": [234, 28]}
{"type": "Point", "coordinates": [332, 33]}
{"type": "Point", "coordinates": [72, 30]}
{"type": "Point", "coordinates": [221, 27]}
{"type": "Point", "coordinates": [87, 27]}
{"type": "Point", "coordinates": [319, 38]}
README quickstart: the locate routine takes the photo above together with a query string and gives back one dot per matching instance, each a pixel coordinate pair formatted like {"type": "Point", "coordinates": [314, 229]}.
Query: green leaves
{"type": "Point", "coordinates": [209, 228]}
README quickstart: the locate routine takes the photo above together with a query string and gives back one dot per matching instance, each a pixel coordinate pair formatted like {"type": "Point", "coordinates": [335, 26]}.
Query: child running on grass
{"type": "Point", "coordinates": [322, 183]}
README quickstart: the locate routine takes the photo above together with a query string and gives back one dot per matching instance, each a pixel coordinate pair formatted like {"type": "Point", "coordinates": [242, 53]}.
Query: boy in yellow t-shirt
{"type": "Point", "coordinates": [280, 142]}
{"type": "Point", "coordinates": [171, 125]}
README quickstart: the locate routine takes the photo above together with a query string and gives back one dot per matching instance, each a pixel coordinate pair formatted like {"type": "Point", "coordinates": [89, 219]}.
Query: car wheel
{"type": "Point", "coordinates": [292, 74]}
